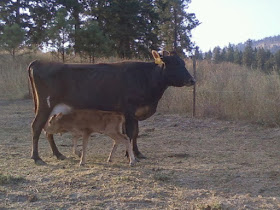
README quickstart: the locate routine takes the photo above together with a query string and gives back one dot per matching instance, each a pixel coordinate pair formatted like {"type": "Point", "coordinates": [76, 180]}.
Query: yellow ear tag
{"type": "Point", "coordinates": [159, 61]}
{"type": "Point", "coordinates": [157, 58]}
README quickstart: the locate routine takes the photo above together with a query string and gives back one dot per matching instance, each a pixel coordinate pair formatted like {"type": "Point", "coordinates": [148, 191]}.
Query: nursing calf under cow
{"type": "Point", "coordinates": [85, 122]}
{"type": "Point", "coordinates": [131, 88]}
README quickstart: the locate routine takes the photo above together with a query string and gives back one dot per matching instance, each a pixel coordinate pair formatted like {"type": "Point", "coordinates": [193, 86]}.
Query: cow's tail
{"type": "Point", "coordinates": [32, 85]}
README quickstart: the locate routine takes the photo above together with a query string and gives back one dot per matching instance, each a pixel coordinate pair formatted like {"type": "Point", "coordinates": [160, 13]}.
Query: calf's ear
{"type": "Point", "coordinates": [59, 116]}
{"type": "Point", "coordinates": [51, 119]}
{"type": "Point", "coordinates": [157, 57]}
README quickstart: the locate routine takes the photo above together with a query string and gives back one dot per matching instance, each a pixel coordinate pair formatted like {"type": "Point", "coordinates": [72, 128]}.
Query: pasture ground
{"type": "Point", "coordinates": [192, 164]}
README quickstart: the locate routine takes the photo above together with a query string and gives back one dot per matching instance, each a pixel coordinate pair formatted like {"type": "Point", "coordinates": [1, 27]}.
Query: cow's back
{"type": "Point", "coordinates": [122, 87]}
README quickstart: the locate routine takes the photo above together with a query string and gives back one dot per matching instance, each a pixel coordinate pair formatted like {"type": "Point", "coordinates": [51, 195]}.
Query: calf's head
{"type": "Point", "coordinates": [54, 125]}
{"type": "Point", "coordinates": [174, 69]}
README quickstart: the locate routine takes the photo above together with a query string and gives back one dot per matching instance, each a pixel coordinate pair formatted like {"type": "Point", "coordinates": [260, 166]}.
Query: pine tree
{"type": "Point", "coordinates": [261, 57]}
{"type": "Point", "coordinates": [230, 53]}
{"type": "Point", "coordinates": [14, 12]}
{"type": "Point", "coordinates": [94, 42]}
{"type": "Point", "coordinates": [223, 56]}
{"type": "Point", "coordinates": [176, 25]}
{"type": "Point", "coordinates": [75, 9]}
{"type": "Point", "coordinates": [119, 19]}
{"type": "Point", "coordinates": [12, 39]}
{"type": "Point", "coordinates": [270, 62]}
{"type": "Point", "coordinates": [277, 60]}
{"type": "Point", "coordinates": [217, 54]}
{"type": "Point", "coordinates": [248, 56]}
{"type": "Point", "coordinates": [14, 21]}
{"type": "Point", "coordinates": [208, 55]}
{"type": "Point", "coordinates": [41, 14]}
{"type": "Point", "coordinates": [237, 56]}
{"type": "Point", "coordinates": [59, 33]}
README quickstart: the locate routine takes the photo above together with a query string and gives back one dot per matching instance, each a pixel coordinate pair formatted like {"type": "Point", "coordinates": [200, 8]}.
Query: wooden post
{"type": "Point", "coordinates": [194, 87]}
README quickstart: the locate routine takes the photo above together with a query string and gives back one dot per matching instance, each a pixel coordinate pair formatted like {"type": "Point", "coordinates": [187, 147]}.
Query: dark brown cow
{"type": "Point", "coordinates": [131, 88]}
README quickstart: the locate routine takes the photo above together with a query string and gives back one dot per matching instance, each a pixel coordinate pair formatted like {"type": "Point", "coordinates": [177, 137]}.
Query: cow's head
{"type": "Point", "coordinates": [174, 69]}
{"type": "Point", "coordinates": [53, 125]}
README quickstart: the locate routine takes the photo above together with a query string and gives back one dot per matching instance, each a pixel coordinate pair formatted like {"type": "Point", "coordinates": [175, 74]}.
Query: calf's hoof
{"type": "Point", "coordinates": [132, 163]}
{"type": "Point", "coordinates": [82, 164]}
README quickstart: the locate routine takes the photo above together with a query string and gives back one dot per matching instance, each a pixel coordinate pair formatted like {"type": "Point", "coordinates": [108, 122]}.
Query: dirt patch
{"type": "Point", "coordinates": [191, 164]}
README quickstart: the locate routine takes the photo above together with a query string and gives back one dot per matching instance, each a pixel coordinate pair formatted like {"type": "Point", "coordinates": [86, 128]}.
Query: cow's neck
{"type": "Point", "coordinates": [159, 85]}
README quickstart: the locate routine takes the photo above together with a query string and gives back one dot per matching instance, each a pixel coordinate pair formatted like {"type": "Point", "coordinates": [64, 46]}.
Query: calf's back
{"type": "Point", "coordinates": [86, 121]}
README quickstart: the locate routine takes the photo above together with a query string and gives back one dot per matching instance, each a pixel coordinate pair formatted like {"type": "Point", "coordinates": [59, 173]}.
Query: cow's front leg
{"type": "Point", "coordinates": [132, 130]}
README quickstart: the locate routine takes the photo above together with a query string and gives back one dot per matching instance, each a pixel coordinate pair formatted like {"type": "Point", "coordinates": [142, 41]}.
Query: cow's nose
{"type": "Point", "coordinates": [192, 81]}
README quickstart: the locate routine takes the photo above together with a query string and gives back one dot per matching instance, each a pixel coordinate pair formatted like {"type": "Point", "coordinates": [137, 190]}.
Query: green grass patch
{"type": "Point", "coordinates": [9, 179]}
{"type": "Point", "coordinates": [162, 176]}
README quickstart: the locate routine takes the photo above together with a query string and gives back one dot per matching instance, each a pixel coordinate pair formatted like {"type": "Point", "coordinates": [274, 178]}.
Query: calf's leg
{"type": "Point", "coordinates": [85, 143]}
{"type": "Point", "coordinates": [121, 138]}
{"type": "Point", "coordinates": [115, 145]}
{"type": "Point", "coordinates": [75, 144]}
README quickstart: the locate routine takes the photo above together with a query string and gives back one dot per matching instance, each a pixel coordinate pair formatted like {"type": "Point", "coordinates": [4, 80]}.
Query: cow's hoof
{"type": "Point", "coordinates": [140, 156]}
{"type": "Point", "coordinates": [61, 157]}
{"type": "Point", "coordinates": [40, 162]}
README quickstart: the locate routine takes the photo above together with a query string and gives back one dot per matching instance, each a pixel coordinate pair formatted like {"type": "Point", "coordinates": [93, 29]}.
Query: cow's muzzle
{"type": "Point", "coordinates": [190, 82]}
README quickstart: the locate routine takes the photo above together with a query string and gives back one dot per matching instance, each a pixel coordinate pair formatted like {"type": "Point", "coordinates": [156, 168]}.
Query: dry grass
{"type": "Point", "coordinates": [229, 91]}
{"type": "Point", "coordinates": [13, 77]}
{"type": "Point", "coordinates": [224, 91]}
{"type": "Point", "coordinates": [192, 164]}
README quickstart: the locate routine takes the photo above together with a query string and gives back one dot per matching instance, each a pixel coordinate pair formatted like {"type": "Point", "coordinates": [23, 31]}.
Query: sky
{"type": "Point", "coordinates": [234, 21]}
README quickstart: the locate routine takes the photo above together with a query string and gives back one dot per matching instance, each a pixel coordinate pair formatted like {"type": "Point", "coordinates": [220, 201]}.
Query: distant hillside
{"type": "Point", "coordinates": [268, 43]}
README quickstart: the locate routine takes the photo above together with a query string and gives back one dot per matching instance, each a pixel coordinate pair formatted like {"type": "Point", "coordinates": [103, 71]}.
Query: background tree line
{"type": "Point", "coordinates": [95, 28]}
{"type": "Point", "coordinates": [252, 57]}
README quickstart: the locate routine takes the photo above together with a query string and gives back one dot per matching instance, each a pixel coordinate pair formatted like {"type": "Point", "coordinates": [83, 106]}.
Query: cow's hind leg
{"type": "Point", "coordinates": [132, 130]}
{"type": "Point", "coordinates": [55, 151]}
{"type": "Point", "coordinates": [37, 126]}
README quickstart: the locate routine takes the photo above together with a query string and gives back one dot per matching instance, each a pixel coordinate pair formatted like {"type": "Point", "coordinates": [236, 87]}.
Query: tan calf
{"type": "Point", "coordinates": [84, 122]}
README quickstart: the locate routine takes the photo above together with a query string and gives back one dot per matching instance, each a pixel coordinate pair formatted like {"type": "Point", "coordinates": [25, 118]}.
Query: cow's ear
{"type": "Point", "coordinates": [165, 53]}
{"type": "Point", "coordinates": [157, 57]}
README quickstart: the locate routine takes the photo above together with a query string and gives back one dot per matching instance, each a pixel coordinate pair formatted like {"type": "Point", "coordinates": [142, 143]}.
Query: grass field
{"type": "Point", "coordinates": [224, 159]}
{"type": "Point", "coordinates": [192, 164]}
{"type": "Point", "coordinates": [224, 91]}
